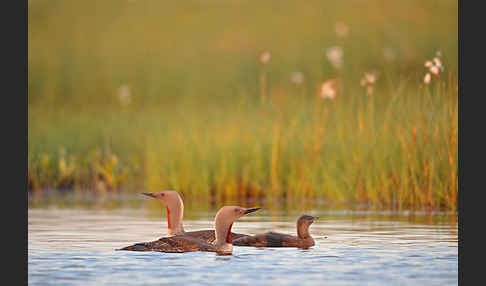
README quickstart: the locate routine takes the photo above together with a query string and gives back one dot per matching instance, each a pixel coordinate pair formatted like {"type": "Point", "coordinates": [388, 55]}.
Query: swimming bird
{"type": "Point", "coordinates": [175, 212]}
{"type": "Point", "coordinates": [223, 221]}
{"type": "Point", "coordinates": [275, 239]}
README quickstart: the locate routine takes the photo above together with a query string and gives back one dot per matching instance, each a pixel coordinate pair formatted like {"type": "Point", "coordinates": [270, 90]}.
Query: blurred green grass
{"type": "Point", "coordinates": [196, 122]}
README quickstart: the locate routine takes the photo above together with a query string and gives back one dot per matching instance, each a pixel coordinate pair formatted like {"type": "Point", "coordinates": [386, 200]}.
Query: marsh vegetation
{"type": "Point", "coordinates": [246, 100]}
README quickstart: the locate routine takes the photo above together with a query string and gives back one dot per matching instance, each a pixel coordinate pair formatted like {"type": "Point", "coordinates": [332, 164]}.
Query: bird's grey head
{"type": "Point", "coordinates": [307, 219]}
{"type": "Point", "coordinates": [228, 214]}
{"type": "Point", "coordinates": [165, 196]}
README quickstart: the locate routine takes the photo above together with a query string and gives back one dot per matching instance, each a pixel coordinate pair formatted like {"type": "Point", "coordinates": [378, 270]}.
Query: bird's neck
{"type": "Point", "coordinates": [223, 242]}
{"type": "Point", "coordinates": [175, 212]}
{"type": "Point", "coordinates": [303, 230]}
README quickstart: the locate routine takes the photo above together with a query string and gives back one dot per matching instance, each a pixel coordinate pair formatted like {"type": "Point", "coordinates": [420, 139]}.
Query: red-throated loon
{"type": "Point", "coordinates": [274, 239]}
{"type": "Point", "coordinates": [175, 212]}
{"type": "Point", "coordinates": [223, 221]}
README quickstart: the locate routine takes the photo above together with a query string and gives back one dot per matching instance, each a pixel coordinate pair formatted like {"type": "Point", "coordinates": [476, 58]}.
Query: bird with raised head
{"type": "Point", "coordinates": [175, 211]}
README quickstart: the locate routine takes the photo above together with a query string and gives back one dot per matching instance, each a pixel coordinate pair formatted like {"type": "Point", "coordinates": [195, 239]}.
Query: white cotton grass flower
{"type": "Point", "coordinates": [124, 95]}
{"type": "Point", "coordinates": [434, 68]}
{"type": "Point", "coordinates": [437, 62]}
{"type": "Point", "coordinates": [297, 78]}
{"type": "Point", "coordinates": [341, 29]}
{"type": "Point", "coordinates": [370, 77]}
{"type": "Point", "coordinates": [335, 56]}
{"type": "Point", "coordinates": [368, 80]}
{"type": "Point", "coordinates": [265, 57]}
{"type": "Point", "coordinates": [328, 89]}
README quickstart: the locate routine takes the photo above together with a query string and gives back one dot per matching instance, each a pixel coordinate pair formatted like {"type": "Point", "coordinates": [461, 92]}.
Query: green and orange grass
{"type": "Point", "coordinates": [207, 118]}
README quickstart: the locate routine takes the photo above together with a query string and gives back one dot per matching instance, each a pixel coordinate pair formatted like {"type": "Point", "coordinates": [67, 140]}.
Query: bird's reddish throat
{"type": "Point", "coordinates": [228, 235]}
{"type": "Point", "coordinates": [168, 217]}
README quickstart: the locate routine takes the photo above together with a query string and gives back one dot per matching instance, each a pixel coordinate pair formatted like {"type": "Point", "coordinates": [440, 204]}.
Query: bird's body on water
{"type": "Point", "coordinates": [180, 243]}
{"type": "Point", "coordinates": [275, 239]}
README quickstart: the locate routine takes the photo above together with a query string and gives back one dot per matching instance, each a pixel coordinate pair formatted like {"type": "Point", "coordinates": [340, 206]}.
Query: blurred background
{"type": "Point", "coordinates": [344, 103]}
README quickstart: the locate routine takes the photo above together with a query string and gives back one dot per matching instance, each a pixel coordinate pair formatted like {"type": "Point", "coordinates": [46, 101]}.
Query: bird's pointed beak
{"type": "Point", "coordinates": [250, 210]}
{"type": "Point", "coordinates": [316, 218]}
{"type": "Point", "coordinates": [149, 194]}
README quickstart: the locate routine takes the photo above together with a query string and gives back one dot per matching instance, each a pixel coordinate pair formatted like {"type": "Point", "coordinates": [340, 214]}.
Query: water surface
{"type": "Point", "coordinates": [77, 247]}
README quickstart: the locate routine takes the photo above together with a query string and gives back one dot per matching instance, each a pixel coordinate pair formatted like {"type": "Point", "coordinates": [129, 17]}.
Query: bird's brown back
{"type": "Point", "coordinates": [173, 244]}
{"type": "Point", "coordinates": [209, 235]}
{"type": "Point", "coordinates": [274, 239]}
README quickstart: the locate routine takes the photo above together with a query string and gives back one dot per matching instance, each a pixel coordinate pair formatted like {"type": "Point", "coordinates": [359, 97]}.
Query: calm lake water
{"type": "Point", "coordinates": [77, 247]}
